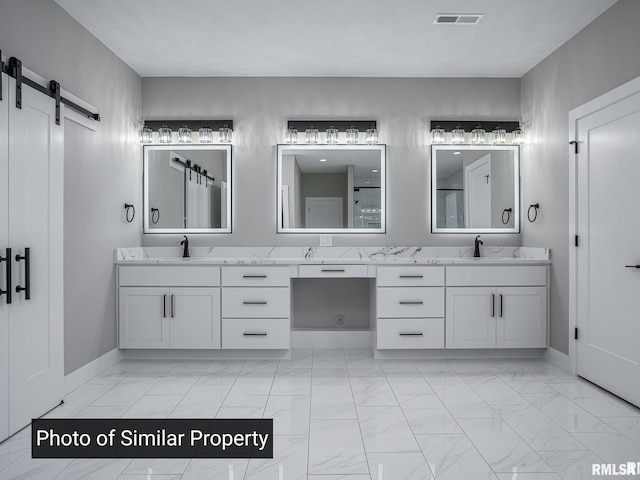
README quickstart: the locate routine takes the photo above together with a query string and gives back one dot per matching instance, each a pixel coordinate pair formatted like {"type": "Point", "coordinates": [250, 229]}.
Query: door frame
{"type": "Point", "coordinates": [612, 97]}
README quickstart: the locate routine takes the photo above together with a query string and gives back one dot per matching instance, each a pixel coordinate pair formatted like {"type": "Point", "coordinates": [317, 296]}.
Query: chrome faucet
{"type": "Point", "coordinates": [185, 251]}
{"type": "Point", "coordinates": [476, 250]}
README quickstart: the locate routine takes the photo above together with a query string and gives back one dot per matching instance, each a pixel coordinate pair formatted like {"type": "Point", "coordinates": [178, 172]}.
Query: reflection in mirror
{"type": "Point", "coordinates": [475, 189]}
{"type": "Point", "coordinates": [187, 189]}
{"type": "Point", "coordinates": [331, 188]}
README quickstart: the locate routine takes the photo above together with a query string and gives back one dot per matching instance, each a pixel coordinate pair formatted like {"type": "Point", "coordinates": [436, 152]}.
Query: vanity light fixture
{"type": "Point", "coordinates": [164, 134]}
{"type": "Point", "coordinates": [353, 135]}
{"type": "Point", "coordinates": [499, 136]}
{"type": "Point", "coordinates": [477, 135]}
{"type": "Point", "coordinates": [184, 134]}
{"type": "Point", "coordinates": [437, 134]}
{"type": "Point", "coordinates": [311, 135]}
{"type": "Point", "coordinates": [372, 136]}
{"type": "Point", "coordinates": [205, 134]}
{"type": "Point", "coordinates": [332, 135]}
{"type": "Point", "coordinates": [226, 134]}
{"type": "Point", "coordinates": [185, 129]}
{"type": "Point", "coordinates": [517, 136]}
{"type": "Point", "coordinates": [457, 135]}
{"type": "Point", "coordinates": [291, 135]}
{"type": "Point", "coordinates": [146, 135]}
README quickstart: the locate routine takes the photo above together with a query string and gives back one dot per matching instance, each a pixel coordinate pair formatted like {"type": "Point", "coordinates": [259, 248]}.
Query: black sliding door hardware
{"type": "Point", "coordinates": [7, 259]}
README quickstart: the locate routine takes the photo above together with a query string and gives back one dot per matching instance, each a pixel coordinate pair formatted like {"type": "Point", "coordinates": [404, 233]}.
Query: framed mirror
{"type": "Point", "coordinates": [187, 189]}
{"type": "Point", "coordinates": [331, 188]}
{"type": "Point", "coordinates": [475, 189]}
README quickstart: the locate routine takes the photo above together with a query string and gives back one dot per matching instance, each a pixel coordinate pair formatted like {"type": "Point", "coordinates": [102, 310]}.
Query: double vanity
{"type": "Point", "coordinates": [420, 298]}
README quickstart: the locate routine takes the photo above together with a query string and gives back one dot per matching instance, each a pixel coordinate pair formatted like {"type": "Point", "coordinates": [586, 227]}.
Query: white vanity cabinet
{"type": "Point", "coordinates": [256, 307]}
{"type": "Point", "coordinates": [496, 306]}
{"type": "Point", "coordinates": [169, 307]}
{"type": "Point", "coordinates": [410, 307]}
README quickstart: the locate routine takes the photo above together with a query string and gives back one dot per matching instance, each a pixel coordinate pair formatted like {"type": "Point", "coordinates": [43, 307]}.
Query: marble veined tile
{"type": "Point", "coordinates": [329, 356]}
{"type": "Point", "coordinates": [94, 469]}
{"type": "Point", "coordinates": [525, 383]}
{"type": "Point", "coordinates": [150, 477]}
{"type": "Point", "coordinates": [494, 391]}
{"type": "Point", "coordinates": [404, 466]}
{"type": "Point", "coordinates": [216, 468]}
{"type": "Point", "coordinates": [101, 412]}
{"type": "Point", "coordinates": [290, 414]}
{"type": "Point", "coordinates": [595, 401]}
{"type": "Point", "coordinates": [572, 465]}
{"type": "Point", "coordinates": [332, 403]}
{"type": "Point", "coordinates": [372, 392]}
{"type": "Point", "coordinates": [611, 447]}
{"type": "Point", "coordinates": [567, 414]}
{"type": "Point", "coordinates": [202, 401]}
{"type": "Point", "coordinates": [385, 429]}
{"type": "Point", "coordinates": [433, 366]}
{"type": "Point", "coordinates": [289, 460]}
{"type": "Point", "coordinates": [338, 477]}
{"type": "Point", "coordinates": [14, 448]}
{"type": "Point", "coordinates": [153, 406]}
{"type": "Point", "coordinates": [409, 385]}
{"type": "Point", "coordinates": [468, 367]}
{"type": "Point", "coordinates": [501, 447]}
{"type": "Point", "coordinates": [297, 383]}
{"type": "Point", "coordinates": [27, 468]}
{"type": "Point", "coordinates": [157, 466]}
{"type": "Point", "coordinates": [628, 426]}
{"type": "Point", "coordinates": [335, 447]}
{"type": "Point", "coordinates": [329, 371]}
{"type": "Point", "coordinates": [528, 476]}
{"type": "Point", "coordinates": [427, 415]}
{"type": "Point", "coordinates": [454, 457]}
{"type": "Point", "coordinates": [240, 412]}
{"type": "Point", "coordinates": [538, 430]}
{"type": "Point", "coordinates": [462, 401]}
{"type": "Point", "coordinates": [443, 379]}
{"type": "Point", "coordinates": [122, 395]}
{"type": "Point", "coordinates": [173, 386]}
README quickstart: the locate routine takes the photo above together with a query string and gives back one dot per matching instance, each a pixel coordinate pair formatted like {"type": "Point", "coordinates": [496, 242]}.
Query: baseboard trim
{"type": "Point", "coordinates": [185, 354]}
{"type": "Point", "coordinates": [458, 354]}
{"type": "Point", "coordinates": [559, 359]}
{"type": "Point", "coordinates": [87, 372]}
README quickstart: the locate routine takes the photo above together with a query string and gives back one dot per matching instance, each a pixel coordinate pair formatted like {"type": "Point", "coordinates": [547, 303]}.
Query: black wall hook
{"type": "Point", "coordinates": [535, 206]}
{"type": "Point", "coordinates": [129, 208]}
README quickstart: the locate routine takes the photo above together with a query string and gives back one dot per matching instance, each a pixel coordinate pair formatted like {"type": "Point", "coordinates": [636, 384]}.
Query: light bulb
{"type": "Point", "coordinates": [205, 135]}
{"type": "Point", "coordinates": [226, 134]}
{"type": "Point", "coordinates": [332, 135]}
{"type": "Point", "coordinates": [477, 135]}
{"type": "Point", "coordinates": [164, 134]}
{"type": "Point", "coordinates": [517, 136]}
{"type": "Point", "coordinates": [372, 136]}
{"type": "Point", "coordinates": [291, 135]}
{"type": "Point", "coordinates": [184, 135]}
{"type": "Point", "coordinates": [353, 135]}
{"type": "Point", "coordinates": [146, 135]}
{"type": "Point", "coordinates": [499, 135]}
{"type": "Point", "coordinates": [457, 135]}
{"type": "Point", "coordinates": [311, 135]}
{"type": "Point", "coordinates": [437, 135]}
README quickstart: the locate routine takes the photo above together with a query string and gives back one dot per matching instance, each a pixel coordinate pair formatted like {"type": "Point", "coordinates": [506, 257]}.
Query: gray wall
{"type": "Point", "coordinates": [103, 169]}
{"type": "Point", "coordinates": [601, 57]}
{"type": "Point", "coordinates": [260, 108]}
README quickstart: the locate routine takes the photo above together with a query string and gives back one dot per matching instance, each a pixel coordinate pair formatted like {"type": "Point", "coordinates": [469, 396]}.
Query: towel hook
{"type": "Point", "coordinates": [508, 212]}
{"type": "Point", "coordinates": [155, 215]}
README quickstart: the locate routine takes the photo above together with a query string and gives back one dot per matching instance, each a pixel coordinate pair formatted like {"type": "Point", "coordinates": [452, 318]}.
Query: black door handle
{"type": "Point", "coordinates": [493, 305]}
{"type": "Point", "coordinates": [632, 266]}
{"type": "Point", "coordinates": [27, 273]}
{"type": "Point", "coordinates": [7, 258]}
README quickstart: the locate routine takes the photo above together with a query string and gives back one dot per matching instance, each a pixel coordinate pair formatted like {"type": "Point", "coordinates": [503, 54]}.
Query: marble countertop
{"type": "Point", "coordinates": [332, 255]}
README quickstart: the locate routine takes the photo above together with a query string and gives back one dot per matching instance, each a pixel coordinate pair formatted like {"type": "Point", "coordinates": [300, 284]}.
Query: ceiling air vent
{"type": "Point", "coordinates": [458, 19]}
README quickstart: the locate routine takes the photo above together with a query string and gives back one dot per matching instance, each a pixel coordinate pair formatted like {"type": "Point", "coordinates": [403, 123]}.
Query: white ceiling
{"type": "Point", "coordinates": [337, 38]}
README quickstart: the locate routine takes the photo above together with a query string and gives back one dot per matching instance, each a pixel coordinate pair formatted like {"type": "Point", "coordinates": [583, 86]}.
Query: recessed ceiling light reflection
{"type": "Point", "coordinates": [323, 159]}
{"type": "Point", "coordinates": [456, 153]}
{"type": "Point", "coordinates": [375, 170]}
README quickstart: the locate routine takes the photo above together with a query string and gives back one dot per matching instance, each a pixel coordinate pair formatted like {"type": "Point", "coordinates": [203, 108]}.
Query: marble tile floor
{"type": "Point", "coordinates": [342, 415]}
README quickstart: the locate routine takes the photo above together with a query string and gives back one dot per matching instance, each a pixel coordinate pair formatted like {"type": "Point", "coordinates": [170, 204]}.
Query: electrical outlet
{"type": "Point", "coordinates": [326, 240]}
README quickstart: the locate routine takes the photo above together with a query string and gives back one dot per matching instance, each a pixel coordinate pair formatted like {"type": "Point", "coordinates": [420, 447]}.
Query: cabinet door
{"type": "Point", "coordinates": [521, 317]}
{"type": "Point", "coordinates": [470, 317]}
{"type": "Point", "coordinates": [144, 317]}
{"type": "Point", "coordinates": [195, 317]}
{"type": "Point", "coordinates": [4, 243]}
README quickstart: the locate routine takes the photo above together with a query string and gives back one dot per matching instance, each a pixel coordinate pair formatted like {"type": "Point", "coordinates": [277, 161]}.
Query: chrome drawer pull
{"type": "Point", "coordinates": [406, 302]}
{"type": "Point", "coordinates": [419, 334]}
{"type": "Point", "coordinates": [248, 302]}
{"type": "Point", "coordinates": [333, 269]}
{"type": "Point", "coordinates": [411, 276]}
{"type": "Point", "coordinates": [254, 276]}
{"type": "Point", "coordinates": [255, 334]}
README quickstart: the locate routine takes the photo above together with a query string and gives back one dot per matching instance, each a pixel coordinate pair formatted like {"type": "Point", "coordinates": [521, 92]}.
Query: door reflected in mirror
{"type": "Point", "coordinates": [187, 189]}
{"type": "Point", "coordinates": [475, 189]}
{"type": "Point", "coordinates": [331, 188]}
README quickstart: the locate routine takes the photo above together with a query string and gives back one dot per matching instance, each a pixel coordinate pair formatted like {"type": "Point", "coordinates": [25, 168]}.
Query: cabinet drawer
{"type": "Point", "coordinates": [333, 271]}
{"type": "Point", "coordinates": [404, 333]}
{"type": "Point", "coordinates": [169, 276]}
{"type": "Point", "coordinates": [410, 302]}
{"type": "Point", "coordinates": [410, 276]}
{"type": "Point", "coordinates": [479, 276]}
{"type": "Point", "coordinates": [255, 276]}
{"type": "Point", "coordinates": [255, 302]}
{"type": "Point", "coordinates": [253, 333]}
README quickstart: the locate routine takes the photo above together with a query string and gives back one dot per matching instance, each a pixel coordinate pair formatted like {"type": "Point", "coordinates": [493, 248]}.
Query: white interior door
{"type": "Point", "coordinates": [477, 176]}
{"type": "Point", "coordinates": [4, 243]}
{"type": "Point", "coordinates": [323, 212]}
{"type": "Point", "coordinates": [608, 290]}
{"type": "Point", "coordinates": [35, 221]}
